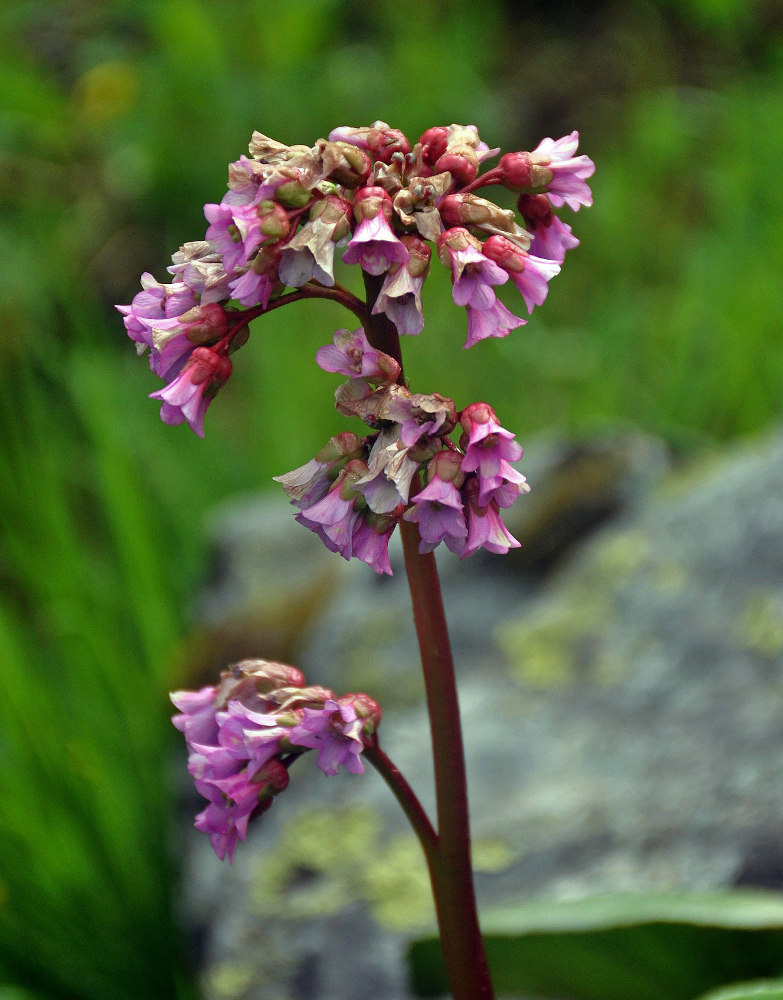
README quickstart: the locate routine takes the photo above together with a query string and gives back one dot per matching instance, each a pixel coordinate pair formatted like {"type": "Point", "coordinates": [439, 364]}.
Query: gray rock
{"type": "Point", "coordinates": [623, 727]}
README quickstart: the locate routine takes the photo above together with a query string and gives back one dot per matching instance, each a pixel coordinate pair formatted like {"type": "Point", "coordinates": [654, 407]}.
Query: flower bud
{"type": "Point", "coordinates": [366, 708]}
{"type": "Point", "coordinates": [384, 142]}
{"type": "Point", "coordinates": [369, 202]}
{"type": "Point", "coordinates": [535, 209]}
{"type": "Point", "coordinates": [460, 161]}
{"type": "Point", "coordinates": [353, 165]}
{"type": "Point", "coordinates": [477, 413]}
{"type": "Point", "coordinates": [446, 466]}
{"type": "Point", "coordinates": [334, 211]}
{"type": "Point", "coordinates": [455, 239]}
{"type": "Point", "coordinates": [273, 220]}
{"type": "Point", "coordinates": [293, 193]}
{"type": "Point", "coordinates": [434, 142]}
{"type": "Point", "coordinates": [519, 172]}
{"type": "Point", "coordinates": [272, 777]}
{"type": "Point", "coordinates": [505, 253]}
{"type": "Point", "coordinates": [346, 443]}
{"type": "Point", "coordinates": [202, 324]}
{"type": "Point", "coordinates": [419, 260]}
{"type": "Point", "coordinates": [208, 366]}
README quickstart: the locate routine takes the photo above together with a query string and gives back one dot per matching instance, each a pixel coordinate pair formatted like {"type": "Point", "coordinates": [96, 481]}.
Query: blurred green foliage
{"type": "Point", "coordinates": [116, 126]}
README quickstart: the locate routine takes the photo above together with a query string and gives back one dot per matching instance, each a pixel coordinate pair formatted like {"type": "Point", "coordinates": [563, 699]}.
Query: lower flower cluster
{"type": "Point", "coordinates": [243, 734]}
{"type": "Point", "coordinates": [357, 489]}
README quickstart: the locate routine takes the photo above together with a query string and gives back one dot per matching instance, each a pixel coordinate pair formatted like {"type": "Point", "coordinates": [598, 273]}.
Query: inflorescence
{"type": "Point", "coordinates": [272, 240]}
{"type": "Point", "coordinates": [368, 193]}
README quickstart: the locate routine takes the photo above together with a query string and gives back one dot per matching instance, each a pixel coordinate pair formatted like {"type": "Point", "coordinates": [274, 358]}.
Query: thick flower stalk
{"type": "Point", "coordinates": [370, 198]}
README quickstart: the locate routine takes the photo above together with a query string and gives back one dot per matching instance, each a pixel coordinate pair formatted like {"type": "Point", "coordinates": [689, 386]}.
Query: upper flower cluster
{"type": "Point", "coordinates": [355, 490]}
{"type": "Point", "coordinates": [244, 733]}
{"type": "Point", "coordinates": [383, 202]}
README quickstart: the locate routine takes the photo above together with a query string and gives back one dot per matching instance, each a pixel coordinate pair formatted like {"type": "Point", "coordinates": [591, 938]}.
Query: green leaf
{"type": "Point", "coordinates": [616, 947]}
{"type": "Point", "coordinates": [760, 989]}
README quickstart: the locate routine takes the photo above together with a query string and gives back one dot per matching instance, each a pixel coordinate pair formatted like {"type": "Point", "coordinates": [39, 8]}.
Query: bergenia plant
{"type": "Point", "coordinates": [440, 472]}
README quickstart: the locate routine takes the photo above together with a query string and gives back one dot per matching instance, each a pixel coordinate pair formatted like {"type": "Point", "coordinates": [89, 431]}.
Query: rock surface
{"type": "Point", "coordinates": [621, 696]}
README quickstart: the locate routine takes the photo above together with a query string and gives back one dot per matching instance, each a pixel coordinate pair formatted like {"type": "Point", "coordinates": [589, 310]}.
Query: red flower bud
{"type": "Point", "coordinates": [516, 171]}
{"type": "Point", "coordinates": [384, 143]}
{"type": "Point", "coordinates": [535, 209]}
{"type": "Point", "coordinates": [433, 143]}
{"type": "Point", "coordinates": [461, 162]}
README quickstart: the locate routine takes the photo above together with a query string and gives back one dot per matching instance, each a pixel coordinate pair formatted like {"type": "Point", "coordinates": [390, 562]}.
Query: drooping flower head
{"type": "Point", "coordinates": [243, 733]}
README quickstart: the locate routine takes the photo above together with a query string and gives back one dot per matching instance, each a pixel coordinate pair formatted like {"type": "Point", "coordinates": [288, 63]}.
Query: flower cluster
{"type": "Point", "coordinates": [243, 734]}
{"type": "Point", "coordinates": [356, 490]}
{"type": "Point", "coordinates": [381, 200]}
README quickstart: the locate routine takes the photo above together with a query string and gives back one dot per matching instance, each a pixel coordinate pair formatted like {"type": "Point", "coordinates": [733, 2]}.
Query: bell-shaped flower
{"type": "Point", "coordinates": [438, 509]}
{"type": "Point", "coordinates": [335, 731]}
{"type": "Point", "coordinates": [485, 525]}
{"type": "Point", "coordinates": [373, 245]}
{"type": "Point", "coordinates": [529, 273]}
{"type": "Point", "coordinates": [400, 294]}
{"type": "Point", "coordinates": [551, 237]}
{"type": "Point", "coordinates": [191, 392]}
{"type": "Point", "coordinates": [569, 173]}
{"type": "Point", "coordinates": [473, 276]}
{"type": "Point", "coordinates": [485, 442]}
{"type": "Point", "coordinates": [351, 354]}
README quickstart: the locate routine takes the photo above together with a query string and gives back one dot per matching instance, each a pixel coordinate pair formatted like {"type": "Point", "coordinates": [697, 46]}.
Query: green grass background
{"type": "Point", "coordinates": [116, 124]}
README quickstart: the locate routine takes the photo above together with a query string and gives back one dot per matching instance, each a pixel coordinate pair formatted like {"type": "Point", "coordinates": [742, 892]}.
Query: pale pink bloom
{"type": "Point", "coordinates": [191, 392]}
{"type": "Point", "coordinates": [400, 299]}
{"type": "Point", "coordinates": [439, 513]}
{"type": "Point", "coordinates": [333, 518]}
{"type": "Point", "coordinates": [569, 173]}
{"type": "Point", "coordinates": [155, 302]}
{"type": "Point", "coordinates": [496, 321]}
{"type": "Point", "coordinates": [529, 273]}
{"type": "Point", "coordinates": [371, 545]}
{"type": "Point", "coordinates": [554, 240]}
{"type": "Point", "coordinates": [485, 526]}
{"type": "Point", "coordinates": [352, 355]}
{"type": "Point", "coordinates": [374, 246]}
{"type": "Point", "coordinates": [503, 488]}
{"type": "Point", "coordinates": [485, 442]}
{"type": "Point", "coordinates": [473, 277]}
{"type": "Point", "coordinates": [335, 732]}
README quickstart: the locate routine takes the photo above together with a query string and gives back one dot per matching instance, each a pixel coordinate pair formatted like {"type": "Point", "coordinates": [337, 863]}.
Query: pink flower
{"type": "Point", "coordinates": [569, 173]}
{"type": "Point", "coordinates": [374, 246]}
{"type": "Point", "coordinates": [191, 392]}
{"type": "Point", "coordinates": [334, 517]}
{"type": "Point", "coordinates": [352, 355]}
{"type": "Point", "coordinates": [473, 277]}
{"type": "Point", "coordinates": [309, 483]}
{"type": "Point", "coordinates": [155, 302]}
{"type": "Point", "coordinates": [485, 442]}
{"type": "Point", "coordinates": [497, 321]}
{"type": "Point", "coordinates": [551, 237]}
{"type": "Point", "coordinates": [371, 539]}
{"type": "Point", "coordinates": [485, 526]}
{"type": "Point", "coordinates": [530, 274]}
{"type": "Point", "coordinates": [335, 731]}
{"type": "Point", "coordinates": [400, 294]}
{"type": "Point", "coordinates": [503, 488]}
{"type": "Point", "coordinates": [439, 513]}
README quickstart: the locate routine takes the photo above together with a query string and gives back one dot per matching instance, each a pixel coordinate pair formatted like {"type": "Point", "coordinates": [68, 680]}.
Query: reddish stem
{"type": "Point", "coordinates": [312, 290]}
{"type": "Point", "coordinates": [450, 867]}
{"type": "Point", "coordinates": [407, 798]}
